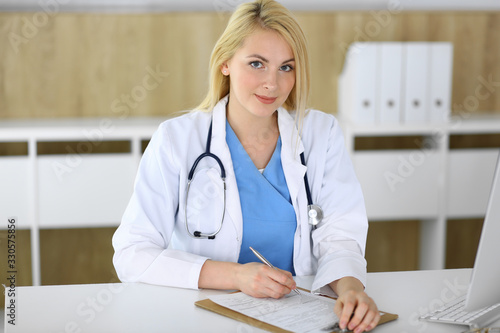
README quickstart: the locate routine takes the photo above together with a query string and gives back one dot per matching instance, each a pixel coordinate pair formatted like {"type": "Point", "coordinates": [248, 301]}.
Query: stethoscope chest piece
{"type": "Point", "coordinates": [315, 215]}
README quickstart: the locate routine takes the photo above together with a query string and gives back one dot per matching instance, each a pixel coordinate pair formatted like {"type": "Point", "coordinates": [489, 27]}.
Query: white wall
{"type": "Point", "coordinates": [228, 5]}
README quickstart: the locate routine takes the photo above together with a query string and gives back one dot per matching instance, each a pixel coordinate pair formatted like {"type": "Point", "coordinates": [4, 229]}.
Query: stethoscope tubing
{"type": "Point", "coordinates": [199, 234]}
{"type": "Point", "coordinates": [207, 153]}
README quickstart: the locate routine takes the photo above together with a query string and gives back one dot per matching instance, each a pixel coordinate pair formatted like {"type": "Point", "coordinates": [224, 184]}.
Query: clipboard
{"type": "Point", "coordinates": [208, 304]}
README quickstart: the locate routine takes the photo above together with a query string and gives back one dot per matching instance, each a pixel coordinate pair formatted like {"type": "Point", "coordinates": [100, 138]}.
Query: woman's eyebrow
{"type": "Point", "coordinates": [267, 61]}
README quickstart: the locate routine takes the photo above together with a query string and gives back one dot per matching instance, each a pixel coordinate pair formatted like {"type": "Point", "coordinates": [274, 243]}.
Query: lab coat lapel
{"type": "Point", "coordinates": [291, 148]}
{"type": "Point", "coordinates": [220, 148]}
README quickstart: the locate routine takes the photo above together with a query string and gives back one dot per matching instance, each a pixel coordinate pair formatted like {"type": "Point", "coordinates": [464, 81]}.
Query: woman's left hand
{"type": "Point", "coordinates": [354, 308]}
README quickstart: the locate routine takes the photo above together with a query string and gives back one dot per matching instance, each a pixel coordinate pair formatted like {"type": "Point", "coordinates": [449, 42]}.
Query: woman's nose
{"type": "Point", "coordinates": [271, 81]}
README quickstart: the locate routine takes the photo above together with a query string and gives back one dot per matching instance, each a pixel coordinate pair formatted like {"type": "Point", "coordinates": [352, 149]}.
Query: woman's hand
{"type": "Point", "coordinates": [254, 279]}
{"type": "Point", "coordinates": [259, 280]}
{"type": "Point", "coordinates": [356, 311]}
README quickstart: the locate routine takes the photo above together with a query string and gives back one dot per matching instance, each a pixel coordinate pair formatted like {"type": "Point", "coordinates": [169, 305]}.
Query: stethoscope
{"type": "Point", "coordinates": [314, 212]}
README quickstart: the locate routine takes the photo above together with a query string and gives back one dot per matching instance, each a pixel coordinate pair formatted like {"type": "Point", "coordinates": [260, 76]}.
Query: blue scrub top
{"type": "Point", "coordinates": [269, 220]}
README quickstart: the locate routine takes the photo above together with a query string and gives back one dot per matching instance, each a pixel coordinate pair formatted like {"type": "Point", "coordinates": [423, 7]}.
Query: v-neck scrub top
{"type": "Point", "coordinates": [269, 221]}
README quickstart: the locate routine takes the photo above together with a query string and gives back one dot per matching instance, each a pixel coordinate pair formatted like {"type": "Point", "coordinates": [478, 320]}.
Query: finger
{"type": "Point", "coordinates": [371, 316]}
{"type": "Point", "coordinates": [366, 323]}
{"type": "Point", "coordinates": [277, 290]}
{"type": "Point", "coordinates": [274, 290]}
{"type": "Point", "coordinates": [268, 280]}
{"type": "Point", "coordinates": [345, 316]}
{"type": "Point", "coordinates": [374, 322]}
{"type": "Point", "coordinates": [283, 277]}
{"type": "Point", "coordinates": [358, 316]}
{"type": "Point", "coordinates": [255, 280]}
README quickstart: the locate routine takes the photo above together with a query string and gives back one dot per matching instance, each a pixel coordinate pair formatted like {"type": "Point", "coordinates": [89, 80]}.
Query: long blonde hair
{"type": "Point", "coordinates": [263, 14]}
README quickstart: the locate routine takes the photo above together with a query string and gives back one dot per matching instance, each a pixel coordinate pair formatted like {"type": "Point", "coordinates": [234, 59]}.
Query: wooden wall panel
{"type": "Point", "coordinates": [22, 260]}
{"type": "Point", "coordinates": [393, 246]}
{"type": "Point", "coordinates": [76, 65]}
{"type": "Point", "coordinates": [462, 242]}
{"type": "Point", "coordinates": [68, 256]}
{"type": "Point", "coordinates": [74, 256]}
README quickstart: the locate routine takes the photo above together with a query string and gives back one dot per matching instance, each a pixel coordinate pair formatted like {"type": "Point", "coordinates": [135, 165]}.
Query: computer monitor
{"type": "Point", "coordinates": [484, 289]}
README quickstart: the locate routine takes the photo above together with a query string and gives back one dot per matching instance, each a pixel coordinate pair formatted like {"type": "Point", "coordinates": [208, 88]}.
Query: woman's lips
{"type": "Point", "coordinates": [266, 100]}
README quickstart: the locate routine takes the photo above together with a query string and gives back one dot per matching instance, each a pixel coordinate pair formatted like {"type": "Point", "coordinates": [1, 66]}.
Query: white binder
{"type": "Point", "coordinates": [357, 84]}
{"type": "Point", "coordinates": [396, 83]}
{"type": "Point", "coordinates": [390, 83]}
{"type": "Point", "coordinates": [416, 69]}
{"type": "Point", "coordinates": [441, 67]}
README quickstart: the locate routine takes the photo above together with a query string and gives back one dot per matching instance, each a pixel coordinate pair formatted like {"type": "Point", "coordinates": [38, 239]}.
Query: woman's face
{"type": "Point", "coordinates": [261, 74]}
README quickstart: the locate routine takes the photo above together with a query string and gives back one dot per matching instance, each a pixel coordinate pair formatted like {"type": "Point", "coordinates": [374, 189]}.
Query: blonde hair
{"type": "Point", "coordinates": [248, 17]}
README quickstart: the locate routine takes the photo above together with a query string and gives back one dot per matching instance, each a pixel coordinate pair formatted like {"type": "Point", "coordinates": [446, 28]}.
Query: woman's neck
{"type": "Point", "coordinates": [257, 135]}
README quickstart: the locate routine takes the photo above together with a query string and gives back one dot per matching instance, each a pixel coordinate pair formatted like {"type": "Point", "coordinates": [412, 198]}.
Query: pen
{"type": "Point", "coordinates": [264, 260]}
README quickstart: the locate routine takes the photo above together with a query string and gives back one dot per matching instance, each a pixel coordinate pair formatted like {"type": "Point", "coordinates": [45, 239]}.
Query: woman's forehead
{"type": "Point", "coordinates": [268, 44]}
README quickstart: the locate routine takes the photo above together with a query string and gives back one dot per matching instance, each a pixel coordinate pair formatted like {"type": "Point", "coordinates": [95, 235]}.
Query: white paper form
{"type": "Point", "coordinates": [296, 313]}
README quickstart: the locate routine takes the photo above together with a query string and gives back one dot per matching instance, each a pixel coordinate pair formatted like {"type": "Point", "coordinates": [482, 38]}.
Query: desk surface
{"type": "Point", "coordinates": [146, 308]}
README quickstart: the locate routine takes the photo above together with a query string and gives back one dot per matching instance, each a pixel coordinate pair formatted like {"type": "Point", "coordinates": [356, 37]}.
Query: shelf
{"type": "Point", "coordinates": [432, 184]}
{"type": "Point", "coordinates": [75, 186]}
{"type": "Point", "coordinates": [75, 129]}
{"type": "Point", "coordinates": [476, 123]}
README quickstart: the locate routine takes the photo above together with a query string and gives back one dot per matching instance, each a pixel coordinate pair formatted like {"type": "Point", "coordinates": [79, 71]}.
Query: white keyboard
{"type": "Point", "coordinates": [454, 313]}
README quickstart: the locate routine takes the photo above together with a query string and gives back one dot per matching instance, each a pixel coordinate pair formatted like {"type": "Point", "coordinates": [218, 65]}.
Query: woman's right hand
{"type": "Point", "coordinates": [254, 279]}
{"type": "Point", "coordinates": [259, 280]}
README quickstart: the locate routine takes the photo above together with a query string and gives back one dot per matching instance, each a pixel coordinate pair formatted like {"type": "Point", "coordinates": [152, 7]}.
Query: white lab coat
{"type": "Point", "coordinates": [152, 245]}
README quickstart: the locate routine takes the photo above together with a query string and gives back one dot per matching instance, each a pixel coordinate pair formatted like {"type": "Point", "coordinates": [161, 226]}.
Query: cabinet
{"type": "Point", "coordinates": [429, 172]}
{"type": "Point", "coordinates": [68, 173]}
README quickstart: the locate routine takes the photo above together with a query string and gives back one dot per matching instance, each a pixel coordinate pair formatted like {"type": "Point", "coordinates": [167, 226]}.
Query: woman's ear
{"type": "Point", "coordinates": [224, 69]}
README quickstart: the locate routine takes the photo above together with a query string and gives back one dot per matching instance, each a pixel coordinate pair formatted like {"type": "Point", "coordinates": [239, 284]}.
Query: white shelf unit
{"type": "Point", "coordinates": [95, 188]}
{"type": "Point", "coordinates": [74, 189]}
{"type": "Point", "coordinates": [431, 183]}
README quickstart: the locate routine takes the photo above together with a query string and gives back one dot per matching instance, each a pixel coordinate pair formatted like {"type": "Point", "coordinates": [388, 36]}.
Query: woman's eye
{"type": "Point", "coordinates": [256, 64]}
{"type": "Point", "coordinates": [286, 68]}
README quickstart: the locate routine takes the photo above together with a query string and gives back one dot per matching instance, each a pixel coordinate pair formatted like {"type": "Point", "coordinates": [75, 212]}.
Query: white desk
{"type": "Point", "coordinates": [145, 308]}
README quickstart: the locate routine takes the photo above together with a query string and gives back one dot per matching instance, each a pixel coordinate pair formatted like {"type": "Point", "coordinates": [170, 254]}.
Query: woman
{"type": "Point", "coordinates": [254, 120]}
